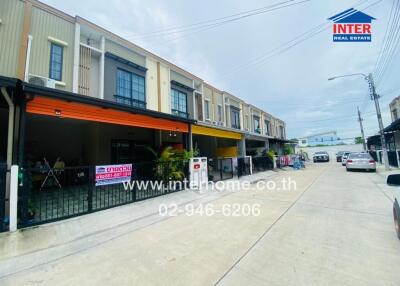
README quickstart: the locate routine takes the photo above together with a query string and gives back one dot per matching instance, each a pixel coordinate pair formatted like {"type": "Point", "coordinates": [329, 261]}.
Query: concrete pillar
{"type": "Point", "coordinates": [157, 138]}
{"type": "Point", "coordinates": [10, 136]}
{"type": "Point", "coordinates": [13, 198]}
{"type": "Point", "coordinates": [101, 71]}
{"type": "Point", "coordinates": [75, 72]}
{"type": "Point", "coordinates": [242, 147]}
{"type": "Point", "coordinates": [266, 144]}
{"type": "Point", "coordinates": [28, 57]}
{"type": "Point", "coordinates": [190, 138]}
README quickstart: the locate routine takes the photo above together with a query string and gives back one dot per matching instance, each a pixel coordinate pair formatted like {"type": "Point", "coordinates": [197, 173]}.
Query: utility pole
{"type": "Point", "coordinates": [375, 98]}
{"type": "Point", "coordinates": [362, 129]}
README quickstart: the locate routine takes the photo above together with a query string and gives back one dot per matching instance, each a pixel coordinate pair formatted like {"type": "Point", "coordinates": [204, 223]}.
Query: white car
{"type": "Point", "coordinates": [360, 161]}
{"type": "Point", "coordinates": [344, 158]}
{"type": "Point", "coordinates": [394, 180]}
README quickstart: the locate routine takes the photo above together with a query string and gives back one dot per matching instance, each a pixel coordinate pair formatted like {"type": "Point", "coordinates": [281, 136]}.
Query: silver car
{"type": "Point", "coordinates": [360, 161]}
{"type": "Point", "coordinates": [344, 158]}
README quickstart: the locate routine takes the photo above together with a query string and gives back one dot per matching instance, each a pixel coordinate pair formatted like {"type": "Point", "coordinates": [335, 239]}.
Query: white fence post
{"type": "Point", "coordinates": [13, 198]}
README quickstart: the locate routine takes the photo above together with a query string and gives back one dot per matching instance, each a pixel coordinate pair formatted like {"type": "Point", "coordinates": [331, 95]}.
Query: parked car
{"type": "Point", "coordinates": [321, 156]}
{"type": "Point", "coordinates": [394, 180]}
{"type": "Point", "coordinates": [360, 161]}
{"type": "Point", "coordinates": [339, 155]}
{"type": "Point", "coordinates": [344, 158]}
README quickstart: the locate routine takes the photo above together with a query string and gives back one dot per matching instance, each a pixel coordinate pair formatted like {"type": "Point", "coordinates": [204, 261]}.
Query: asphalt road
{"type": "Point", "coordinates": [336, 228]}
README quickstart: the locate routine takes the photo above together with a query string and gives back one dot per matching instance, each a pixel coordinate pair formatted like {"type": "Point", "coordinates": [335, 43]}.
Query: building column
{"type": "Point", "coordinates": [23, 47]}
{"type": "Point", "coordinates": [157, 138]}
{"type": "Point", "coordinates": [11, 110]}
{"type": "Point", "coordinates": [75, 72]}
{"type": "Point", "coordinates": [190, 138]}
{"type": "Point", "coordinates": [21, 133]}
{"type": "Point", "coordinates": [101, 71]}
{"type": "Point", "coordinates": [266, 144]}
{"type": "Point", "coordinates": [242, 147]}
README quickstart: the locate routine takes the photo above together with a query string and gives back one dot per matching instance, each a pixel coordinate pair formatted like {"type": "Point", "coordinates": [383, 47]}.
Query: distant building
{"type": "Point", "coordinates": [395, 108]}
{"type": "Point", "coordinates": [326, 138]}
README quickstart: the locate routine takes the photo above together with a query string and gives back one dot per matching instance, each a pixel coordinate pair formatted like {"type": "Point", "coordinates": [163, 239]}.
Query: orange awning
{"type": "Point", "coordinates": [74, 110]}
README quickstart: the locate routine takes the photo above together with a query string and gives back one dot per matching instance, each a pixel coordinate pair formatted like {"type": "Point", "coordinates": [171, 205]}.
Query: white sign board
{"type": "Point", "coordinates": [113, 174]}
{"type": "Point", "coordinates": [198, 172]}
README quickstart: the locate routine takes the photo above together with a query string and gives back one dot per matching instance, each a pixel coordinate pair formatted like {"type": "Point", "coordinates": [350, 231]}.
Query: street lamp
{"type": "Point", "coordinates": [374, 97]}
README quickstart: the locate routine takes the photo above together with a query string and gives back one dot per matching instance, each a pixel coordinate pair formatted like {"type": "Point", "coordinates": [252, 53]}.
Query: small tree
{"type": "Point", "coordinates": [358, 140]}
{"type": "Point", "coordinates": [287, 150]}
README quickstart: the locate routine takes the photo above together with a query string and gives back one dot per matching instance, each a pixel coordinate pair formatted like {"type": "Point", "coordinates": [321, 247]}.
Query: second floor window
{"type": "Point", "coordinates": [207, 109]}
{"type": "Point", "coordinates": [394, 112]}
{"type": "Point", "coordinates": [282, 130]}
{"type": "Point", "coordinates": [257, 128]}
{"type": "Point", "coordinates": [56, 62]}
{"type": "Point", "coordinates": [130, 89]}
{"type": "Point", "coordinates": [235, 118]}
{"type": "Point", "coordinates": [178, 103]}
{"type": "Point", "coordinates": [266, 123]}
{"type": "Point", "coordinates": [220, 113]}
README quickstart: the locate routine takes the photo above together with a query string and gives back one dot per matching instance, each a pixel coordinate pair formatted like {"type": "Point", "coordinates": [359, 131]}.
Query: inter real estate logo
{"type": "Point", "coordinates": [352, 26]}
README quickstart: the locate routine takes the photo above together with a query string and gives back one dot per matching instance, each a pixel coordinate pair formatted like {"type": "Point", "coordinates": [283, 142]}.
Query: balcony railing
{"type": "Point", "coordinates": [179, 113]}
{"type": "Point", "coordinates": [130, 101]}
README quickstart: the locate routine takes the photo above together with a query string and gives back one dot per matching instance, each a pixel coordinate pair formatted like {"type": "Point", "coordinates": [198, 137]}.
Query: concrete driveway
{"type": "Point", "coordinates": [335, 229]}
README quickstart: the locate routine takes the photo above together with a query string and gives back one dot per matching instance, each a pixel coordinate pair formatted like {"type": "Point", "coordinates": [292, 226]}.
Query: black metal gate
{"type": "Point", "coordinates": [262, 163]}
{"type": "Point", "coordinates": [374, 155]}
{"type": "Point", "coordinates": [392, 158]}
{"type": "Point", "coordinates": [220, 169]}
{"type": "Point", "coordinates": [244, 166]}
{"type": "Point", "coordinates": [3, 198]}
{"type": "Point", "coordinates": [49, 194]}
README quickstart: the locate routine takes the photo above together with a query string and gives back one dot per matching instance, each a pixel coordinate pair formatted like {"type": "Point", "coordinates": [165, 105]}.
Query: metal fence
{"type": "Point", "coordinates": [392, 156]}
{"type": "Point", "coordinates": [244, 166]}
{"type": "Point", "coordinates": [220, 169]}
{"type": "Point", "coordinates": [53, 194]}
{"type": "Point", "coordinates": [374, 155]}
{"type": "Point", "coordinates": [262, 163]}
{"type": "Point", "coordinates": [3, 198]}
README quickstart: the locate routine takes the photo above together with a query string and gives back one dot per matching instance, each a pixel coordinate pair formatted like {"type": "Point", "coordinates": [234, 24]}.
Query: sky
{"type": "Point", "coordinates": [240, 56]}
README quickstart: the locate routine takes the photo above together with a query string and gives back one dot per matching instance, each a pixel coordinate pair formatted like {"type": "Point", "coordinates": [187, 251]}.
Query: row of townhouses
{"type": "Point", "coordinates": [75, 70]}
{"type": "Point", "coordinates": [75, 93]}
{"type": "Point", "coordinates": [392, 137]}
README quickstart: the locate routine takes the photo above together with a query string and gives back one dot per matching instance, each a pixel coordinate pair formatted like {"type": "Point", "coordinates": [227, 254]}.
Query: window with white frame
{"type": "Point", "coordinates": [56, 62]}
{"type": "Point", "coordinates": [257, 128]}
{"type": "Point", "coordinates": [207, 109]}
{"type": "Point", "coordinates": [235, 117]}
{"type": "Point", "coordinates": [267, 127]}
{"type": "Point", "coordinates": [219, 113]}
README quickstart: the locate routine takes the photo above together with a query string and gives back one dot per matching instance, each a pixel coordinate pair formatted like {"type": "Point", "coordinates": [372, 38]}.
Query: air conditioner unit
{"type": "Point", "coordinates": [42, 81]}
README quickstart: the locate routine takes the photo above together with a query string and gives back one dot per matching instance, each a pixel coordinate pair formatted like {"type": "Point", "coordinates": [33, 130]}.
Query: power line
{"type": "Point", "coordinates": [391, 44]}
{"type": "Point", "coordinates": [214, 25]}
{"type": "Point", "coordinates": [378, 59]}
{"type": "Point", "coordinates": [220, 20]}
{"type": "Point", "coordinates": [290, 44]}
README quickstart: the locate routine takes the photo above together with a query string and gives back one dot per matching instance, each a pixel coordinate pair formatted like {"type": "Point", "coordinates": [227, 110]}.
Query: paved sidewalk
{"type": "Point", "coordinates": [39, 245]}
